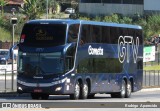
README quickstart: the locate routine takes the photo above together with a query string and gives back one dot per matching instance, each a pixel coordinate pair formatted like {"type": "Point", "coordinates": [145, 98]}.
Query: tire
{"type": "Point", "coordinates": [35, 96]}
{"type": "Point", "coordinates": [128, 90]}
{"type": "Point", "coordinates": [84, 92]}
{"type": "Point", "coordinates": [122, 93]}
{"type": "Point", "coordinates": [76, 94]}
{"type": "Point", "coordinates": [44, 96]}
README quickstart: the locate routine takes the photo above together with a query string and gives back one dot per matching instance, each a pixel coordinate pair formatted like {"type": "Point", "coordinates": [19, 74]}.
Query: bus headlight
{"type": "Point", "coordinates": [58, 88]}
{"type": "Point", "coordinates": [3, 58]}
{"type": "Point", "coordinates": [19, 88]}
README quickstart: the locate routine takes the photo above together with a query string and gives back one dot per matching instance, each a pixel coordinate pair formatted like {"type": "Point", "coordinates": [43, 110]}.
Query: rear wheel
{"type": "Point", "coordinates": [76, 93]}
{"type": "Point", "coordinates": [35, 96]}
{"type": "Point", "coordinates": [84, 92]}
{"type": "Point", "coordinates": [128, 89]}
{"type": "Point", "coordinates": [122, 93]}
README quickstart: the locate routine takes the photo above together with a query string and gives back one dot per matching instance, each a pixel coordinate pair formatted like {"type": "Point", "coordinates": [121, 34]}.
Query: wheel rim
{"type": "Point", "coordinates": [77, 90]}
{"type": "Point", "coordinates": [128, 89]}
{"type": "Point", "coordinates": [123, 90]}
{"type": "Point", "coordinates": [85, 88]}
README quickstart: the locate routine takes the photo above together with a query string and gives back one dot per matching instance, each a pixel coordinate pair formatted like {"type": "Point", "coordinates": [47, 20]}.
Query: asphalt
{"type": "Point", "coordinates": [15, 94]}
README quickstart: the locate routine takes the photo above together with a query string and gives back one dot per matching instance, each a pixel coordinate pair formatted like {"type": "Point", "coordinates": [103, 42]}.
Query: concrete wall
{"type": "Point", "coordinates": [107, 9]}
{"type": "Point", "coordinates": [152, 5]}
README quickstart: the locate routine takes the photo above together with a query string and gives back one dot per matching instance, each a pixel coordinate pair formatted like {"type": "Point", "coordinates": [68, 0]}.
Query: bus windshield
{"type": "Point", "coordinates": [43, 35]}
{"type": "Point", "coordinates": [40, 63]}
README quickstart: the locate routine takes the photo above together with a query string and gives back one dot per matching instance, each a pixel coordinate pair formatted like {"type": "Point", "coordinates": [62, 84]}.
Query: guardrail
{"type": "Point", "coordinates": [151, 78]}
{"type": "Point", "coordinates": [8, 80]}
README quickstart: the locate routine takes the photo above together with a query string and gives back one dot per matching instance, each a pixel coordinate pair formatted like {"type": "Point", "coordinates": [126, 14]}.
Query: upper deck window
{"type": "Point", "coordinates": [73, 33]}
{"type": "Point", "coordinates": [43, 35]}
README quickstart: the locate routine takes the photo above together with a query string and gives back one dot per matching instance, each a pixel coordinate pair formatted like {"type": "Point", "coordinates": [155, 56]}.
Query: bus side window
{"type": "Point", "coordinates": [85, 35]}
{"type": "Point", "coordinates": [73, 33]}
{"type": "Point", "coordinates": [105, 35]}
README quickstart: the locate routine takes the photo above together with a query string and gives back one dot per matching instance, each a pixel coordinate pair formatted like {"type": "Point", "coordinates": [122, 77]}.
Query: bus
{"type": "Point", "coordinates": [79, 58]}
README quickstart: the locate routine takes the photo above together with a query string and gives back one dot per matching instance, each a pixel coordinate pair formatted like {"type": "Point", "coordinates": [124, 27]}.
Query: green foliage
{"type": "Point", "coordinates": [84, 18]}
{"type": "Point", "coordinates": [4, 35]}
{"type": "Point", "coordinates": [153, 24]}
{"type": "Point", "coordinates": [33, 9]}
{"type": "Point", "coordinates": [125, 20]}
{"type": "Point", "coordinates": [112, 18]}
{"type": "Point", "coordinates": [2, 4]}
{"type": "Point", "coordinates": [97, 18]}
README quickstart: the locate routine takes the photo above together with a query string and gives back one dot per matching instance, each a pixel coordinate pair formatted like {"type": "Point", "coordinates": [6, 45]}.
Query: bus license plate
{"type": "Point", "coordinates": [38, 90]}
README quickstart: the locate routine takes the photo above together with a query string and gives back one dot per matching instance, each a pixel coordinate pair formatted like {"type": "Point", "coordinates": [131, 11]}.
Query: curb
{"type": "Point", "coordinates": [13, 94]}
{"type": "Point", "coordinates": [149, 89]}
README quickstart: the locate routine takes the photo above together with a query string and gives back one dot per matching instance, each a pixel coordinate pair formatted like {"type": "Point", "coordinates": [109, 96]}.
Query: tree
{"type": "Point", "coordinates": [2, 4]}
{"type": "Point", "coordinates": [33, 9]}
{"type": "Point", "coordinates": [54, 6]}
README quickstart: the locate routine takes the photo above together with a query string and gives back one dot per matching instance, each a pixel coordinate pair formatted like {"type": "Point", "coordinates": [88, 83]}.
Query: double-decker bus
{"type": "Point", "coordinates": [79, 58]}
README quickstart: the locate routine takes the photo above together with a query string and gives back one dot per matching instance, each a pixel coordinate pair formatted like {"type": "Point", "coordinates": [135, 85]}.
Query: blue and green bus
{"type": "Point", "coordinates": [79, 58]}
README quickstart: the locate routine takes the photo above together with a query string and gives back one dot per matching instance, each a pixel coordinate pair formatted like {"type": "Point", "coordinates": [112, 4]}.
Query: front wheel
{"type": "Point", "coordinates": [76, 93]}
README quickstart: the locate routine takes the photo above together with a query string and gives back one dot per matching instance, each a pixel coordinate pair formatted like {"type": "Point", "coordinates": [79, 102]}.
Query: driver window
{"type": "Point", "coordinates": [73, 33]}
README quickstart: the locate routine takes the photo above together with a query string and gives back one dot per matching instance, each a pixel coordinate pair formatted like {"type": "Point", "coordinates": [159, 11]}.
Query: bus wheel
{"type": "Point", "coordinates": [128, 89]}
{"type": "Point", "coordinates": [44, 96]}
{"type": "Point", "coordinates": [122, 93]}
{"type": "Point", "coordinates": [76, 94]}
{"type": "Point", "coordinates": [84, 93]}
{"type": "Point", "coordinates": [35, 96]}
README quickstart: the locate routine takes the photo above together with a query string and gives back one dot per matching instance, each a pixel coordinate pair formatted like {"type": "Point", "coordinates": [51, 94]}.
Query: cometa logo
{"type": "Point", "coordinates": [95, 51]}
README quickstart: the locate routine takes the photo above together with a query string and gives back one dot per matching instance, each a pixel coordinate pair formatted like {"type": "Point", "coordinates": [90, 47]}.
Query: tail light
{"type": "Point", "coordinates": [23, 36]}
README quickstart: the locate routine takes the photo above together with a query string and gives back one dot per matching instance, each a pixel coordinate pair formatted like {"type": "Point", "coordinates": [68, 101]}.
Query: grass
{"type": "Point", "coordinates": [4, 35]}
{"type": "Point", "coordinates": [155, 67]}
{"type": "Point", "coordinates": [7, 36]}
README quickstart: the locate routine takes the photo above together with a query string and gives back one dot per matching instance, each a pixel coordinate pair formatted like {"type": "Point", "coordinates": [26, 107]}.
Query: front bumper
{"type": "Point", "coordinates": [56, 89]}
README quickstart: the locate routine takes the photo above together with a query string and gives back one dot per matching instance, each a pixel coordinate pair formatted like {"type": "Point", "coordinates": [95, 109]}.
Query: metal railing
{"type": "Point", "coordinates": [7, 83]}
{"type": "Point", "coordinates": [151, 78]}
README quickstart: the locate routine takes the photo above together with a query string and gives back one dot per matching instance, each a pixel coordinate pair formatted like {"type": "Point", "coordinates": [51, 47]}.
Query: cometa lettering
{"type": "Point", "coordinates": [95, 51]}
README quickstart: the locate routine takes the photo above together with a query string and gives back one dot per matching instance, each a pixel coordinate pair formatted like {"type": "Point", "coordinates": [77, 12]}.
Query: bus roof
{"type": "Point", "coordinates": [74, 21]}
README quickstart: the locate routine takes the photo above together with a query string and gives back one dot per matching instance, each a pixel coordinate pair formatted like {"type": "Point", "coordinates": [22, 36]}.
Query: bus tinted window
{"type": "Point", "coordinates": [100, 65]}
{"type": "Point", "coordinates": [85, 34]}
{"type": "Point", "coordinates": [114, 35]}
{"type": "Point", "coordinates": [73, 33]}
{"type": "Point", "coordinates": [96, 34]}
{"type": "Point", "coordinates": [105, 34]}
{"type": "Point", "coordinates": [43, 35]}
